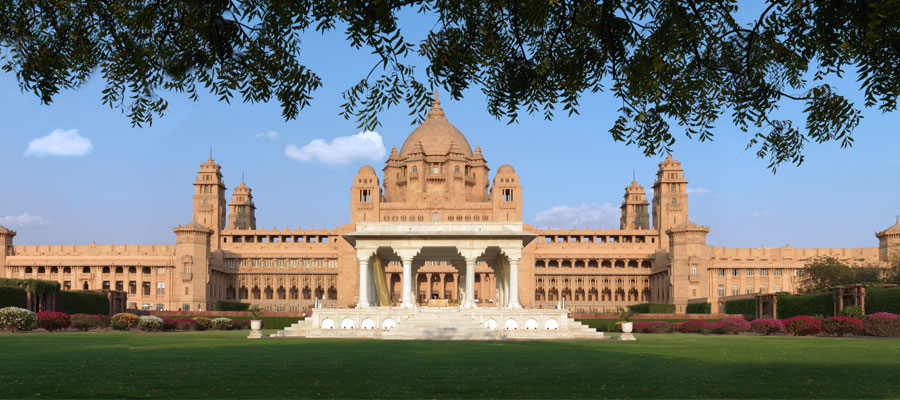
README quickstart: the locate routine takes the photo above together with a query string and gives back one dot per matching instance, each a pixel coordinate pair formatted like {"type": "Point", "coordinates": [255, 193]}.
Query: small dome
{"type": "Point", "coordinates": [436, 136]}
{"type": "Point", "coordinates": [366, 169]}
{"type": "Point", "coordinates": [506, 169]}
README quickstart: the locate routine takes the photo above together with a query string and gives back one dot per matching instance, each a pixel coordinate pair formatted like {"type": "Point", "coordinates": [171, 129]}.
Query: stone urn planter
{"type": "Point", "coordinates": [255, 329]}
{"type": "Point", "coordinates": [627, 327]}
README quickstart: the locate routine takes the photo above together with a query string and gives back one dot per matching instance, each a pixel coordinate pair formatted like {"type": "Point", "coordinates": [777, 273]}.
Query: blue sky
{"type": "Point", "coordinates": [132, 185]}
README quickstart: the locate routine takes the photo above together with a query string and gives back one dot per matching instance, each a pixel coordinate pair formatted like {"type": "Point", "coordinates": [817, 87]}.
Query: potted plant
{"type": "Point", "coordinates": [627, 325]}
{"type": "Point", "coordinates": [255, 322]}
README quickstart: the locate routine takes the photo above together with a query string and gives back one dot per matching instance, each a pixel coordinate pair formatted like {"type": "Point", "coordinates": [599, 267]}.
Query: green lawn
{"type": "Point", "coordinates": [225, 364]}
{"type": "Point", "coordinates": [268, 322]}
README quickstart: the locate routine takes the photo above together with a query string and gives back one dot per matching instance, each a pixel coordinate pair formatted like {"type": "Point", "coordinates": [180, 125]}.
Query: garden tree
{"type": "Point", "coordinates": [674, 66]}
{"type": "Point", "coordinates": [824, 272]}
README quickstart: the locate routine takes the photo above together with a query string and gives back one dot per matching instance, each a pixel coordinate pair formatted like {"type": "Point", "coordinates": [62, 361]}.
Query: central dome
{"type": "Point", "coordinates": [436, 136]}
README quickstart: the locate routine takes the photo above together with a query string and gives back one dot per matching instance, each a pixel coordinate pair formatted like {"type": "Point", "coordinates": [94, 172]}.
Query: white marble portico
{"type": "Point", "coordinates": [462, 244]}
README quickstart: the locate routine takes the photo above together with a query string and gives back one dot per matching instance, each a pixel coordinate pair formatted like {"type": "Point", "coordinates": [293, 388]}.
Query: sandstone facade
{"type": "Point", "coordinates": [655, 255]}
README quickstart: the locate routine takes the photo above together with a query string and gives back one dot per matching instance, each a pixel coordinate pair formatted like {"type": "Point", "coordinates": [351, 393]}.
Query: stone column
{"type": "Point", "coordinates": [363, 283]}
{"type": "Point", "coordinates": [407, 284]}
{"type": "Point", "coordinates": [428, 292]}
{"type": "Point", "coordinates": [470, 283]}
{"type": "Point", "coordinates": [514, 283]}
{"type": "Point", "coordinates": [443, 286]}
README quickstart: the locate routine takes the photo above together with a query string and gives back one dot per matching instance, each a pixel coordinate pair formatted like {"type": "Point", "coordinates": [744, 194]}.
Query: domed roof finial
{"type": "Point", "coordinates": [436, 109]}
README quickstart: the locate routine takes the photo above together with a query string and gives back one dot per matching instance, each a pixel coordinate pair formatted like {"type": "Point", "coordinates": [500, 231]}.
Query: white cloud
{"type": "Point", "coordinates": [697, 191]}
{"type": "Point", "coordinates": [24, 219]}
{"type": "Point", "coordinates": [366, 145]}
{"type": "Point", "coordinates": [760, 214]}
{"type": "Point", "coordinates": [271, 135]}
{"type": "Point", "coordinates": [60, 143]}
{"type": "Point", "coordinates": [587, 214]}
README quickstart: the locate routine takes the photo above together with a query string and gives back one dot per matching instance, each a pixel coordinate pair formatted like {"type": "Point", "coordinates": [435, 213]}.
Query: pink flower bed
{"type": "Point", "coordinates": [186, 324]}
{"type": "Point", "coordinates": [840, 326]}
{"type": "Point", "coordinates": [881, 324]}
{"type": "Point", "coordinates": [732, 326]}
{"type": "Point", "coordinates": [652, 327]}
{"type": "Point", "coordinates": [168, 323]}
{"type": "Point", "coordinates": [802, 325]}
{"type": "Point", "coordinates": [53, 321]}
{"type": "Point", "coordinates": [765, 326]}
{"type": "Point", "coordinates": [697, 326]}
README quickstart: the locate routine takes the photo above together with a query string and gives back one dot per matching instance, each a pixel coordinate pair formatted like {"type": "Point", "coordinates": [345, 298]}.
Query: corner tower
{"type": "Point", "coordinates": [243, 211]}
{"type": "Point", "coordinates": [670, 199]}
{"type": "Point", "coordinates": [6, 247]}
{"type": "Point", "coordinates": [209, 199]}
{"type": "Point", "coordinates": [635, 208]}
{"type": "Point", "coordinates": [889, 242]}
{"type": "Point", "coordinates": [506, 195]}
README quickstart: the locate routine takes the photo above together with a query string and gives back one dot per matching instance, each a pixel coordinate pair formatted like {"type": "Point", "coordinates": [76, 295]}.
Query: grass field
{"type": "Point", "coordinates": [268, 322]}
{"type": "Point", "coordinates": [226, 364]}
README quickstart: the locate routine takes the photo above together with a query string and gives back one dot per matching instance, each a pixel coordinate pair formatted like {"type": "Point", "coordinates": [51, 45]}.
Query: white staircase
{"type": "Point", "coordinates": [440, 324]}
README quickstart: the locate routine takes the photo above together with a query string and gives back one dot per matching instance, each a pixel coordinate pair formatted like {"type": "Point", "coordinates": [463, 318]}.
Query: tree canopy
{"type": "Point", "coordinates": [825, 272]}
{"type": "Point", "coordinates": [675, 66]}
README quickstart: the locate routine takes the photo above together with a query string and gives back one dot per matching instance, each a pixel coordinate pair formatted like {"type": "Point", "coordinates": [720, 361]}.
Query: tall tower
{"type": "Point", "coordinates": [243, 211]}
{"type": "Point", "coordinates": [209, 199]}
{"type": "Point", "coordinates": [6, 248]}
{"type": "Point", "coordinates": [670, 199]}
{"type": "Point", "coordinates": [506, 195]}
{"type": "Point", "coordinates": [689, 258]}
{"type": "Point", "coordinates": [365, 196]}
{"type": "Point", "coordinates": [635, 208]}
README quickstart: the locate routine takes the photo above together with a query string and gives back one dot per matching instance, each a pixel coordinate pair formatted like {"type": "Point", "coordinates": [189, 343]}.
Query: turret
{"type": "Point", "coordinates": [506, 195]}
{"type": "Point", "coordinates": [6, 248]}
{"type": "Point", "coordinates": [243, 211]}
{"type": "Point", "coordinates": [192, 249]}
{"type": "Point", "coordinates": [209, 198]}
{"type": "Point", "coordinates": [635, 208]}
{"type": "Point", "coordinates": [670, 199]}
{"type": "Point", "coordinates": [365, 196]}
{"type": "Point", "coordinates": [688, 260]}
{"type": "Point", "coordinates": [889, 242]}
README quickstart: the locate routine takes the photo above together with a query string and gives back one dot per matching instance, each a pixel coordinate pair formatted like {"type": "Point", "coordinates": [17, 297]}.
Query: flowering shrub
{"type": "Point", "coordinates": [203, 323]}
{"type": "Point", "coordinates": [732, 326]}
{"type": "Point", "coordinates": [652, 327]}
{"type": "Point", "coordinates": [765, 326]}
{"type": "Point", "coordinates": [16, 319]}
{"type": "Point", "coordinates": [103, 319]}
{"type": "Point", "coordinates": [123, 321]}
{"type": "Point", "coordinates": [84, 322]}
{"type": "Point", "coordinates": [802, 325]}
{"type": "Point", "coordinates": [53, 321]}
{"type": "Point", "coordinates": [240, 324]}
{"type": "Point", "coordinates": [852, 311]}
{"type": "Point", "coordinates": [222, 323]}
{"type": "Point", "coordinates": [697, 326]}
{"type": "Point", "coordinates": [186, 324]}
{"type": "Point", "coordinates": [150, 323]}
{"type": "Point", "coordinates": [881, 324]}
{"type": "Point", "coordinates": [840, 326]}
{"type": "Point", "coordinates": [168, 323]}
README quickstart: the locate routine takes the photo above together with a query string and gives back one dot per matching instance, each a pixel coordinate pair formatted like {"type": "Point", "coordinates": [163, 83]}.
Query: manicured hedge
{"type": "Point", "coordinates": [699, 308]}
{"type": "Point", "coordinates": [71, 302]}
{"type": "Point", "coordinates": [231, 306]}
{"type": "Point", "coordinates": [36, 286]}
{"type": "Point", "coordinates": [882, 300]}
{"type": "Point", "coordinates": [13, 297]}
{"type": "Point", "coordinates": [815, 304]}
{"type": "Point", "coordinates": [652, 308]}
{"type": "Point", "coordinates": [745, 307]}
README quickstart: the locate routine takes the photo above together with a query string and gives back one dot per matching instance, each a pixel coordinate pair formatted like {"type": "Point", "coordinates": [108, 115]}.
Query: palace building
{"type": "Point", "coordinates": [436, 226]}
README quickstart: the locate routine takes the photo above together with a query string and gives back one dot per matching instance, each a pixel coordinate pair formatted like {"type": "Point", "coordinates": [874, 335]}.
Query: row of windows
{"type": "Point", "coordinates": [748, 289]}
{"type": "Point", "coordinates": [277, 239]}
{"type": "Point", "coordinates": [595, 239]}
{"type": "Point", "coordinates": [450, 218]}
{"type": "Point", "coordinates": [281, 262]}
{"type": "Point", "coordinates": [751, 272]}
{"type": "Point", "coordinates": [591, 264]}
{"type": "Point", "coordinates": [146, 287]}
{"type": "Point", "coordinates": [87, 270]}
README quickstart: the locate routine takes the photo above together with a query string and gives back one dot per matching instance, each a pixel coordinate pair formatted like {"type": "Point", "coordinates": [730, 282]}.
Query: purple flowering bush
{"type": "Point", "coordinates": [881, 324]}
{"type": "Point", "coordinates": [732, 326]}
{"type": "Point", "coordinates": [766, 326]}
